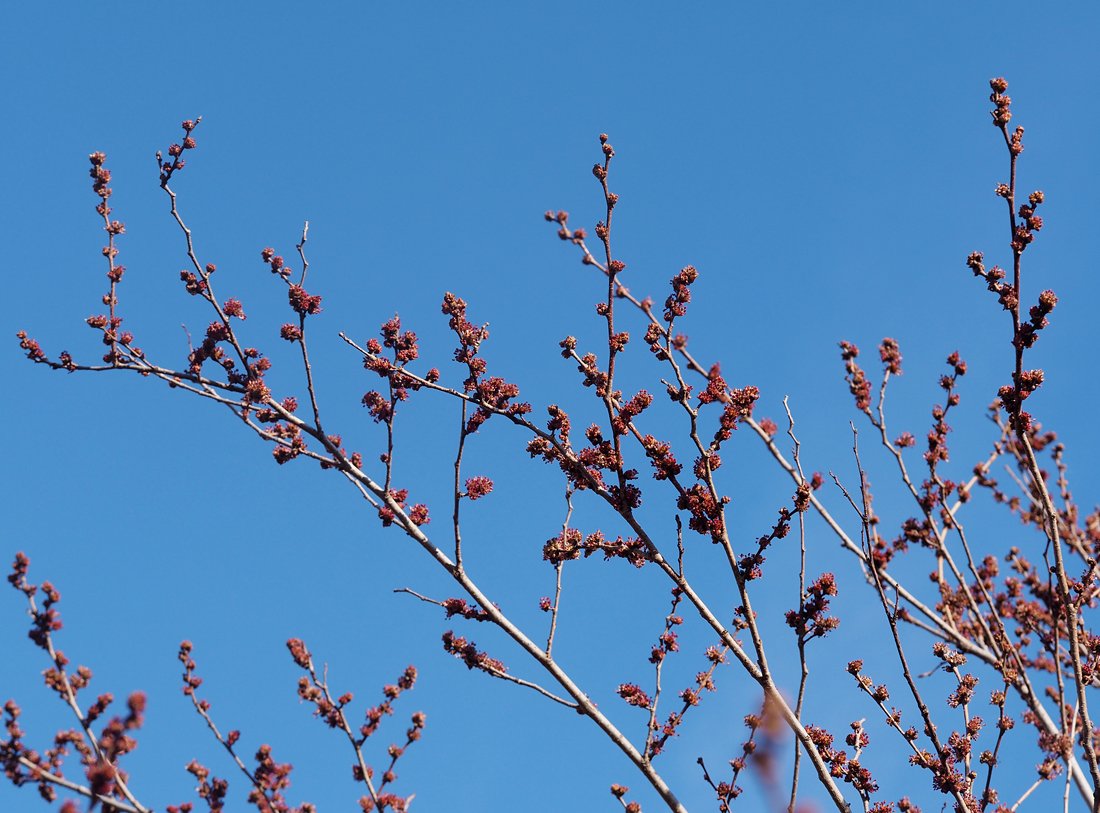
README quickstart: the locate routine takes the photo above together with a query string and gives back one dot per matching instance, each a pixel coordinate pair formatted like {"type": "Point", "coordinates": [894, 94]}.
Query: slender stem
{"type": "Point", "coordinates": [458, 486]}
{"type": "Point", "coordinates": [804, 671]}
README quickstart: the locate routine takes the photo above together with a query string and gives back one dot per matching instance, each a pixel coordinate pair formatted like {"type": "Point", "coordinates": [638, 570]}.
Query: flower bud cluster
{"type": "Point", "coordinates": [890, 354]}
{"type": "Point", "coordinates": [858, 384]}
{"type": "Point", "coordinates": [840, 766]}
{"type": "Point", "coordinates": [676, 304]}
{"type": "Point", "coordinates": [812, 619]}
{"type": "Point", "coordinates": [571, 544]}
{"type": "Point", "coordinates": [750, 564]}
{"type": "Point", "coordinates": [468, 653]}
{"type": "Point", "coordinates": [175, 152]}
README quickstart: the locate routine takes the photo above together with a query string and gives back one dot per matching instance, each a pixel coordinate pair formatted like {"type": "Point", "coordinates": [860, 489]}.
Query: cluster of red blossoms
{"type": "Point", "coordinates": [460, 607]}
{"type": "Point", "coordinates": [749, 565]}
{"type": "Point", "coordinates": [176, 151]}
{"type": "Point", "coordinates": [633, 694]}
{"type": "Point", "coordinates": [404, 348]}
{"type": "Point", "coordinates": [468, 653]}
{"type": "Point", "coordinates": [840, 765]}
{"type": "Point", "coordinates": [571, 544]}
{"type": "Point", "coordinates": [676, 304]}
{"type": "Point", "coordinates": [493, 395]}
{"type": "Point", "coordinates": [417, 514]}
{"type": "Point", "coordinates": [812, 619]}
{"type": "Point", "coordinates": [478, 487]}
{"type": "Point", "coordinates": [858, 384]}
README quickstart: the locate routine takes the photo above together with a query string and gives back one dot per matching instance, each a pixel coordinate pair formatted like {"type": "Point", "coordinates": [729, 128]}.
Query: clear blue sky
{"type": "Point", "coordinates": [827, 167]}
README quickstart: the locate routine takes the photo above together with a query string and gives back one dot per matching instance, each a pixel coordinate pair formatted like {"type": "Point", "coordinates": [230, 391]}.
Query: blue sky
{"type": "Point", "coordinates": [826, 167]}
